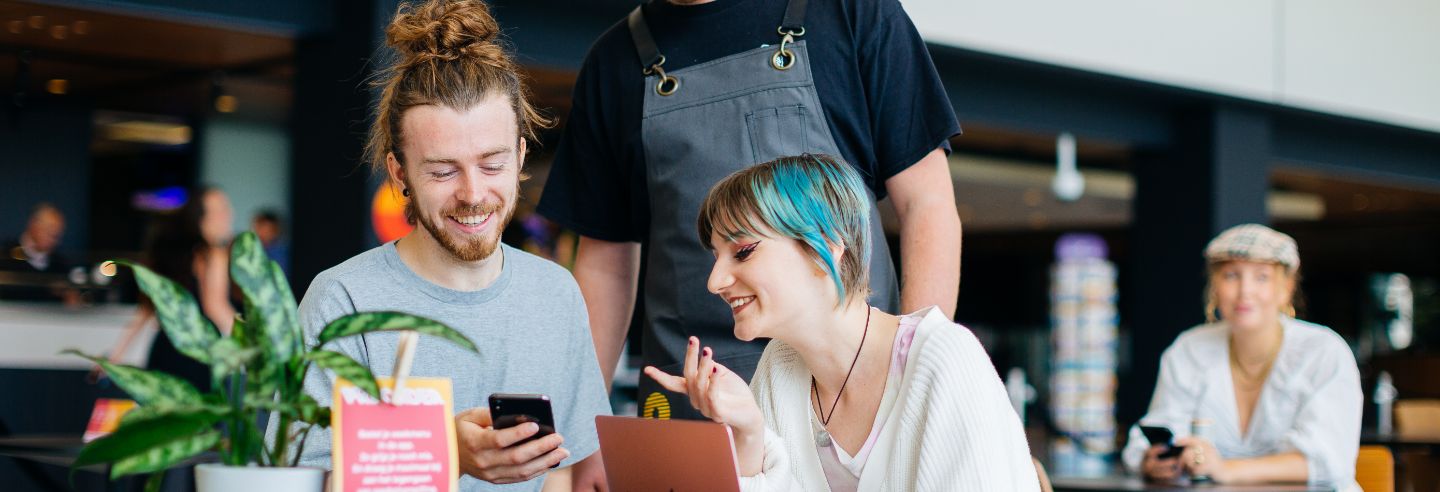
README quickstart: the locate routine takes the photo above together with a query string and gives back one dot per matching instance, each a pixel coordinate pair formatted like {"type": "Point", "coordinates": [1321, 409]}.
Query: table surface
{"type": "Point", "coordinates": [42, 443]}
{"type": "Point", "coordinates": [1399, 440]}
{"type": "Point", "coordinates": [34, 334]}
{"type": "Point", "coordinates": [1129, 483]}
{"type": "Point", "coordinates": [57, 449]}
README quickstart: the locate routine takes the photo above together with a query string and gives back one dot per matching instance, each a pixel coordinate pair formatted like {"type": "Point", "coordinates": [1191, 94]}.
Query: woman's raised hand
{"type": "Point", "coordinates": [720, 395]}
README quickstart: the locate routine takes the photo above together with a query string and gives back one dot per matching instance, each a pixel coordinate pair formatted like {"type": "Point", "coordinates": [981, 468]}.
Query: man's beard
{"type": "Point", "coordinates": [467, 250]}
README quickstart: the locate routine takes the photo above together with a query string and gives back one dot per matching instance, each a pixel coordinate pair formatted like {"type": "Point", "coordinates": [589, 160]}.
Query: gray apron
{"type": "Point", "coordinates": [700, 124]}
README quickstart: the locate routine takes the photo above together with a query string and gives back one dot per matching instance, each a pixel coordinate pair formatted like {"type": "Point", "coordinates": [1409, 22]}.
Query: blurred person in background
{"type": "Point", "coordinates": [270, 231]}
{"type": "Point", "coordinates": [190, 247]}
{"type": "Point", "coordinates": [1281, 396]}
{"type": "Point", "coordinates": [35, 249]}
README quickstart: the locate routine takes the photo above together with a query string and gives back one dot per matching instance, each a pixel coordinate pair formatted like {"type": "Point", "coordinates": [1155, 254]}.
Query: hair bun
{"type": "Point", "coordinates": [442, 30]}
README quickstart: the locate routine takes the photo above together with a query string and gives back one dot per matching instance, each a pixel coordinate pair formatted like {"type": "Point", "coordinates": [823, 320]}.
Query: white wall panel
{"type": "Point", "coordinates": [1377, 59]}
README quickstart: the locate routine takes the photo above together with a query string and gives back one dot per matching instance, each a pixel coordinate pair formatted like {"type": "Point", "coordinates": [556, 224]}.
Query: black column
{"type": "Point", "coordinates": [1213, 176]}
{"type": "Point", "coordinates": [331, 114]}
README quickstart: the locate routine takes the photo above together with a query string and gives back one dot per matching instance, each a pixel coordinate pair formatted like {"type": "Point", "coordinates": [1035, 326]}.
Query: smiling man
{"type": "Point", "coordinates": [450, 132]}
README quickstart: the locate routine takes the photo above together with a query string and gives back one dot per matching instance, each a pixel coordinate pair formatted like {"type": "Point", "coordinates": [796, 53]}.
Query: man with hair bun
{"type": "Point", "coordinates": [450, 132]}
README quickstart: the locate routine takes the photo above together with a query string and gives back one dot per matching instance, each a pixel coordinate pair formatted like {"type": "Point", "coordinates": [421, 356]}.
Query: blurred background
{"type": "Point", "coordinates": [1180, 119]}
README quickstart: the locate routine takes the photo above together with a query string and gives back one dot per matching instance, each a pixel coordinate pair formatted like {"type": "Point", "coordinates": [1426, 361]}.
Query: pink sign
{"type": "Point", "coordinates": [406, 445]}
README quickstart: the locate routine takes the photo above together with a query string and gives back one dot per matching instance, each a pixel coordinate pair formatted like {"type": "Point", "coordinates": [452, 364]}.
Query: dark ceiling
{"type": "Point", "coordinates": [139, 64]}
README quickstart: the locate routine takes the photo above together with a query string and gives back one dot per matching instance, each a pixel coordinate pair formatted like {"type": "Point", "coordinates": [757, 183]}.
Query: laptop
{"type": "Point", "coordinates": [645, 455]}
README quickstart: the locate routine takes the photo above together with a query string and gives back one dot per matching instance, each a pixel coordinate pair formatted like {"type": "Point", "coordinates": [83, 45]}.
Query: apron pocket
{"type": "Point", "coordinates": [777, 132]}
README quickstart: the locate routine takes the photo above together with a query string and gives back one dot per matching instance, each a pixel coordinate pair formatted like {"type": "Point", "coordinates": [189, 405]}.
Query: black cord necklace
{"type": "Point", "coordinates": [822, 436]}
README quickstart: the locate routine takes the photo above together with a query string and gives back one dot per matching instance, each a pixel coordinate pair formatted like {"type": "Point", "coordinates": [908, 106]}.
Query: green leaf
{"type": "Point", "coordinates": [209, 411]}
{"type": "Point", "coordinates": [310, 412]}
{"type": "Point", "coordinates": [267, 296]}
{"type": "Point", "coordinates": [262, 374]}
{"type": "Point", "coordinates": [240, 331]}
{"type": "Point", "coordinates": [347, 368]}
{"type": "Point", "coordinates": [246, 442]}
{"type": "Point", "coordinates": [229, 355]}
{"type": "Point", "coordinates": [142, 434]}
{"type": "Point", "coordinates": [153, 483]}
{"type": "Point", "coordinates": [165, 455]}
{"type": "Point", "coordinates": [262, 379]}
{"type": "Point", "coordinates": [355, 324]}
{"type": "Point", "coordinates": [146, 387]}
{"type": "Point", "coordinates": [188, 329]}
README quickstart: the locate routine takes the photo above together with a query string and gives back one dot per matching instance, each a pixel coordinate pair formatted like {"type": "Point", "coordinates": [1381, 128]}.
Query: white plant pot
{"type": "Point", "coordinates": [215, 477]}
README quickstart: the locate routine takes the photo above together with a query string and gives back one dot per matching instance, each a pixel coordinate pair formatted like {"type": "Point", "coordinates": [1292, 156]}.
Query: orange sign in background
{"type": "Point", "coordinates": [105, 418]}
{"type": "Point", "coordinates": [387, 214]}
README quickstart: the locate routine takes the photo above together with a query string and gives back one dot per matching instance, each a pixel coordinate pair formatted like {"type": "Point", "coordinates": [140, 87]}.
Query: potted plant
{"type": "Point", "coordinates": [259, 368]}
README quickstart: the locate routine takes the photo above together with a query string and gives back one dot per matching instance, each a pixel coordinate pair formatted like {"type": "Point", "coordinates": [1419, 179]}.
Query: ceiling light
{"type": "Point", "coordinates": [226, 103]}
{"type": "Point", "coordinates": [57, 86]}
{"type": "Point", "coordinates": [150, 132]}
{"type": "Point", "coordinates": [1068, 184]}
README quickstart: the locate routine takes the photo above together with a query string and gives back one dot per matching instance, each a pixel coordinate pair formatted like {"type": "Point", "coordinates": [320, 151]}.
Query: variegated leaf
{"type": "Point", "coordinates": [311, 412]}
{"type": "Point", "coordinates": [187, 328]}
{"type": "Point", "coordinates": [212, 411]}
{"type": "Point", "coordinates": [147, 387]}
{"type": "Point", "coordinates": [347, 368]}
{"type": "Point", "coordinates": [262, 374]}
{"type": "Point", "coordinates": [230, 355]}
{"type": "Point", "coordinates": [165, 455]}
{"type": "Point", "coordinates": [139, 436]}
{"type": "Point", "coordinates": [355, 324]}
{"type": "Point", "coordinates": [267, 296]}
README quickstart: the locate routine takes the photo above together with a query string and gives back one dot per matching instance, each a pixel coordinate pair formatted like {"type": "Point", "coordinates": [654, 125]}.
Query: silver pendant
{"type": "Point", "coordinates": [822, 438]}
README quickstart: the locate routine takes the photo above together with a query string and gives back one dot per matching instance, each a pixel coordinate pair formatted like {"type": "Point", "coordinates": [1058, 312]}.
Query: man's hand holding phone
{"type": "Point", "coordinates": [498, 455]}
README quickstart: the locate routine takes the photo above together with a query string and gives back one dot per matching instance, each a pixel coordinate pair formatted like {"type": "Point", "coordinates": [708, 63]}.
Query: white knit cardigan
{"type": "Point", "coordinates": [951, 428]}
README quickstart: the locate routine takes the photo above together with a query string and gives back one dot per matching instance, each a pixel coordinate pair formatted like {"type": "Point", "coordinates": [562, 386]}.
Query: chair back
{"type": "Point", "coordinates": [1375, 469]}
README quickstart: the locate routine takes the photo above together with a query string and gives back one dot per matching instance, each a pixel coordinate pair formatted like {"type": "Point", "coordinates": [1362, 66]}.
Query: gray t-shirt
{"type": "Point", "coordinates": [530, 325]}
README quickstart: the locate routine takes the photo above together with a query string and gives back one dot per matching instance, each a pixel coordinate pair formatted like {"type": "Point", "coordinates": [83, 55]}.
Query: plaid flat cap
{"type": "Point", "coordinates": [1254, 242]}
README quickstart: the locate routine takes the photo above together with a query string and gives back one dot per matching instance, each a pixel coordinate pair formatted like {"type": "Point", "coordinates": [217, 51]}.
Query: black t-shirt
{"type": "Point", "coordinates": [883, 100]}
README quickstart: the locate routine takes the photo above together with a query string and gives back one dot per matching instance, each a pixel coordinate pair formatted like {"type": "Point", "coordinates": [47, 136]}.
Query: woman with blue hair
{"type": "Point", "coordinates": [845, 397]}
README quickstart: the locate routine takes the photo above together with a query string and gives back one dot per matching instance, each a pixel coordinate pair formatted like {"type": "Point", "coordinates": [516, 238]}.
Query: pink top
{"type": "Point", "coordinates": [842, 471]}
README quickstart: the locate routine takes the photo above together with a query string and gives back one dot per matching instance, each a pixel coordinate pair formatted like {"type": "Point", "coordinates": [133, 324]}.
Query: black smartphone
{"type": "Point", "coordinates": [1163, 437]}
{"type": "Point", "coordinates": [511, 409]}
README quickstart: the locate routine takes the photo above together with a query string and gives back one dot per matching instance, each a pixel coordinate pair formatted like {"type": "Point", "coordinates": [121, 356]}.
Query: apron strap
{"type": "Point", "coordinates": [794, 17]}
{"type": "Point", "coordinates": [644, 42]}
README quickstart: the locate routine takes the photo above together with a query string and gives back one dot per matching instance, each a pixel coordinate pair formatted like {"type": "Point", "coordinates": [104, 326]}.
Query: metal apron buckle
{"type": "Point", "coordinates": [783, 58]}
{"type": "Point", "coordinates": [668, 84]}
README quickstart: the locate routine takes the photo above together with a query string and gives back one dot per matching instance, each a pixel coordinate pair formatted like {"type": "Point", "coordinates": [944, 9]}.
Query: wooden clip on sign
{"type": "Point", "coordinates": [405, 443]}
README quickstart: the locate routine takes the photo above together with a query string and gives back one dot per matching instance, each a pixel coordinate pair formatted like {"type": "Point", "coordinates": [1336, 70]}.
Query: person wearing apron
{"type": "Point", "coordinates": [697, 124]}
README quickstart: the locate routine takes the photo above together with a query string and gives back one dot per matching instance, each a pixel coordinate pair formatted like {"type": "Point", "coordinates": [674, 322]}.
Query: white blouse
{"type": "Point", "coordinates": [1311, 402]}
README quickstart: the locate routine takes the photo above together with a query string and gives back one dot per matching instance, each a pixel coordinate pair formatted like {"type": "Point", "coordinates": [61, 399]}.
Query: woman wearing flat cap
{"type": "Point", "coordinates": [1281, 396]}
